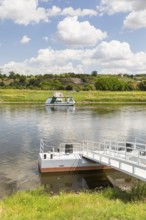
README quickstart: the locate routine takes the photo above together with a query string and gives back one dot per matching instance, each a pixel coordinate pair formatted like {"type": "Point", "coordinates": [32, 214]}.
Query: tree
{"type": "Point", "coordinates": [142, 85]}
{"type": "Point", "coordinates": [12, 75]}
{"type": "Point", "coordinates": [22, 80]}
{"type": "Point", "coordinates": [69, 87]}
{"type": "Point", "coordinates": [88, 87]}
{"type": "Point", "coordinates": [1, 76]}
{"type": "Point", "coordinates": [94, 73]}
{"type": "Point", "coordinates": [34, 83]}
{"type": "Point", "coordinates": [57, 85]}
{"type": "Point", "coordinates": [2, 84]}
{"type": "Point", "coordinates": [111, 83]}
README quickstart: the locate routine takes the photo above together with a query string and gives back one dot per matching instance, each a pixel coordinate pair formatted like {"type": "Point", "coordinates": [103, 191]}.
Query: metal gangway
{"type": "Point", "coordinates": [127, 157]}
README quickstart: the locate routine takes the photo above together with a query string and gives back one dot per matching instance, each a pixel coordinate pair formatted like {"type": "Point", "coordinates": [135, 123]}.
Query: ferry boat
{"type": "Point", "coordinates": [65, 157]}
{"type": "Point", "coordinates": [59, 100]}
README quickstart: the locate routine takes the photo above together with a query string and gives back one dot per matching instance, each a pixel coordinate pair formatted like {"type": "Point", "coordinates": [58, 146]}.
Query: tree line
{"type": "Point", "coordinates": [72, 81]}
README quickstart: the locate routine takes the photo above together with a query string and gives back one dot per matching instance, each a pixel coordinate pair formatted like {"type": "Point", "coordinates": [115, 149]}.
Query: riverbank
{"type": "Point", "coordinates": [107, 204]}
{"type": "Point", "coordinates": [82, 97]}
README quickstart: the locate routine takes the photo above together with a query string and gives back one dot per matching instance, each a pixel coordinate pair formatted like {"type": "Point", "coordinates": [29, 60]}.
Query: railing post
{"type": "Point", "coordinates": [138, 157]}
{"type": "Point", "coordinates": [82, 146]}
{"type": "Point", "coordinates": [125, 151]}
{"type": "Point", "coordinates": [110, 147]}
{"type": "Point", "coordinates": [114, 149]}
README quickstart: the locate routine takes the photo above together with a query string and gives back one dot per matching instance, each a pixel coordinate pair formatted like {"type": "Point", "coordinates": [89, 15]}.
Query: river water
{"type": "Point", "coordinates": [22, 127]}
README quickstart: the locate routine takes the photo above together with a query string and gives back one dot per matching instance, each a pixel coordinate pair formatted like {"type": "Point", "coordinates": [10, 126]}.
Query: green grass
{"type": "Point", "coordinates": [40, 96]}
{"type": "Point", "coordinates": [109, 204]}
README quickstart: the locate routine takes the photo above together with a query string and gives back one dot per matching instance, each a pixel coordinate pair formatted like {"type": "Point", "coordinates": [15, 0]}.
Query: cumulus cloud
{"type": "Point", "coordinates": [113, 57]}
{"type": "Point", "coordinates": [21, 68]}
{"type": "Point", "coordinates": [114, 6]}
{"type": "Point", "coordinates": [115, 50]}
{"type": "Point", "coordinates": [22, 11]}
{"type": "Point", "coordinates": [139, 5]}
{"type": "Point", "coordinates": [25, 39]}
{"type": "Point", "coordinates": [136, 20]}
{"type": "Point", "coordinates": [78, 12]}
{"type": "Point", "coordinates": [54, 11]}
{"type": "Point", "coordinates": [116, 56]}
{"type": "Point", "coordinates": [51, 56]}
{"type": "Point", "coordinates": [79, 34]}
{"type": "Point", "coordinates": [107, 57]}
{"type": "Point", "coordinates": [136, 10]}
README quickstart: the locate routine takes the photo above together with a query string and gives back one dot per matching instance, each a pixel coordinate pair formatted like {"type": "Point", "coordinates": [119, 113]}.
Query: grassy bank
{"type": "Point", "coordinates": [39, 96]}
{"type": "Point", "coordinates": [105, 205]}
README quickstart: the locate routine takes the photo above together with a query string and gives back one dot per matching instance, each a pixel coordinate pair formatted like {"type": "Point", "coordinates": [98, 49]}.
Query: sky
{"type": "Point", "coordinates": [80, 36]}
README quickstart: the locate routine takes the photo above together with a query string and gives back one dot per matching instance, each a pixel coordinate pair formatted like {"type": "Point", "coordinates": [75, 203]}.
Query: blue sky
{"type": "Point", "coordinates": [57, 36]}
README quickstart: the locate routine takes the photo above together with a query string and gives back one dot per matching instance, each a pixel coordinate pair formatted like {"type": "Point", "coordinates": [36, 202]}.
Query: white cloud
{"type": "Point", "coordinates": [54, 11]}
{"type": "Point", "coordinates": [114, 6]}
{"type": "Point", "coordinates": [136, 8]}
{"type": "Point", "coordinates": [136, 20]}
{"type": "Point", "coordinates": [21, 68]}
{"type": "Point", "coordinates": [79, 34]}
{"type": "Point", "coordinates": [58, 61]}
{"type": "Point", "coordinates": [139, 5]}
{"type": "Point", "coordinates": [107, 57]}
{"type": "Point", "coordinates": [25, 39]}
{"type": "Point", "coordinates": [78, 12]}
{"type": "Point", "coordinates": [114, 50]}
{"type": "Point", "coordinates": [22, 11]}
{"type": "Point", "coordinates": [115, 56]}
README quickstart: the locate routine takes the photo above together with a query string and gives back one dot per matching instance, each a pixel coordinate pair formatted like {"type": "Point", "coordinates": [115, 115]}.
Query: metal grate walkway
{"type": "Point", "coordinates": [127, 157]}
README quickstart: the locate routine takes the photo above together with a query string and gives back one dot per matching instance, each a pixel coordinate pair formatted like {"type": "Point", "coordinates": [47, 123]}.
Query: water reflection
{"type": "Point", "coordinates": [73, 181]}
{"type": "Point", "coordinates": [60, 108]}
{"type": "Point", "coordinates": [84, 180]}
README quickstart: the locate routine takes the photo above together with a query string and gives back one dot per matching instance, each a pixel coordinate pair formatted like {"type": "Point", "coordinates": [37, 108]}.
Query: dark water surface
{"type": "Point", "coordinates": [22, 127]}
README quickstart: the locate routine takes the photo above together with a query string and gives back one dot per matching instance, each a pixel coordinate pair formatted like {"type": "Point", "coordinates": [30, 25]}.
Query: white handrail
{"type": "Point", "coordinates": [133, 151]}
{"type": "Point", "coordinates": [45, 146]}
{"type": "Point", "coordinates": [129, 151]}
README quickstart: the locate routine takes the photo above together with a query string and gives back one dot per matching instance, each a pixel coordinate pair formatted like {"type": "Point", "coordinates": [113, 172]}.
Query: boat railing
{"type": "Point", "coordinates": [93, 145]}
{"type": "Point", "coordinates": [41, 146]}
{"type": "Point", "coordinates": [68, 147]}
{"type": "Point", "coordinates": [45, 146]}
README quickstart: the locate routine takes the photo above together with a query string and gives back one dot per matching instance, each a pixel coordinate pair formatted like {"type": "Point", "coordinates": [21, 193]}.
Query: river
{"type": "Point", "coordinates": [22, 126]}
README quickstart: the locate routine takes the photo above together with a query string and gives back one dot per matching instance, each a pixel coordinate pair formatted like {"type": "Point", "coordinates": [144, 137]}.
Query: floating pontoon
{"type": "Point", "coordinates": [127, 157]}
{"type": "Point", "coordinates": [65, 157]}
